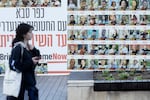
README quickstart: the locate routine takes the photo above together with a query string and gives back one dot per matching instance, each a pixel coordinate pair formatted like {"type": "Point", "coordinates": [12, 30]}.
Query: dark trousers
{"type": "Point", "coordinates": [32, 93]}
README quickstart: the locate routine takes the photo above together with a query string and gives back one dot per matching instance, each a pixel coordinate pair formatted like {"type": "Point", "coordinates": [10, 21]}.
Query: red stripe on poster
{"type": "Point", "coordinates": [52, 62]}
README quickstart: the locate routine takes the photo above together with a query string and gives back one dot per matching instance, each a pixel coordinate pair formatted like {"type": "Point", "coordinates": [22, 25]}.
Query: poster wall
{"type": "Point", "coordinates": [81, 34]}
{"type": "Point", "coordinates": [108, 34]}
{"type": "Point", "coordinates": [48, 17]}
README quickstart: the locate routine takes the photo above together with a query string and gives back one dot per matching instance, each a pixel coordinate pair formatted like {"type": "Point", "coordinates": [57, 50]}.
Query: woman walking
{"type": "Point", "coordinates": [26, 65]}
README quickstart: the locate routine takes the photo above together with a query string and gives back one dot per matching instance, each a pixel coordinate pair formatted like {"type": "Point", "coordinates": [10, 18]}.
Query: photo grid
{"type": "Point", "coordinates": [93, 35]}
{"type": "Point", "coordinates": [30, 3]}
{"type": "Point", "coordinates": [96, 5]}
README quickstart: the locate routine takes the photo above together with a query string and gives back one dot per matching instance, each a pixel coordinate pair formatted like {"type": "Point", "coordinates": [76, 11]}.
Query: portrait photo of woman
{"type": "Point", "coordinates": [134, 4]}
{"type": "Point", "coordinates": [72, 64]}
{"type": "Point", "coordinates": [112, 19]}
{"type": "Point", "coordinates": [124, 4]}
{"type": "Point", "coordinates": [83, 64]}
{"type": "Point", "coordinates": [113, 4]}
{"type": "Point", "coordinates": [134, 19]}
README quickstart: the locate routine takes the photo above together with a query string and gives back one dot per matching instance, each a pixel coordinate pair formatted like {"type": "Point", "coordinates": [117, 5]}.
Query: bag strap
{"type": "Point", "coordinates": [21, 57]}
{"type": "Point", "coordinates": [22, 50]}
{"type": "Point", "coordinates": [21, 54]}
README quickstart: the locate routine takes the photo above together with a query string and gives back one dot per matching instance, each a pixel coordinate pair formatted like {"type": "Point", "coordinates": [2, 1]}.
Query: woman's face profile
{"type": "Point", "coordinates": [29, 35]}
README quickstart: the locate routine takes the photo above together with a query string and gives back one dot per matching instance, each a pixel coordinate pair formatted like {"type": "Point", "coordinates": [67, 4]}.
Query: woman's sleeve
{"type": "Point", "coordinates": [35, 52]}
{"type": "Point", "coordinates": [16, 62]}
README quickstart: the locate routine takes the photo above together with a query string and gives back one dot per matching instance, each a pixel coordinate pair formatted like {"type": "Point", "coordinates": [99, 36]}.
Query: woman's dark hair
{"type": "Point", "coordinates": [82, 67]}
{"type": "Point", "coordinates": [21, 30]}
{"type": "Point", "coordinates": [125, 1]}
{"type": "Point", "coordinates": [112, 3]}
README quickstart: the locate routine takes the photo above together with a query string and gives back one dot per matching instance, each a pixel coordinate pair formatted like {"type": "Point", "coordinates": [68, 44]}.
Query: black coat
{"type": "Point", "coordinates": [26, 65]}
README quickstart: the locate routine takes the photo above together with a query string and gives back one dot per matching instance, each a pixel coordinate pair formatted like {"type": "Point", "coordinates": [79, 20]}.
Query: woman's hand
{"type": "Point", "coordinates": [35, 60]}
